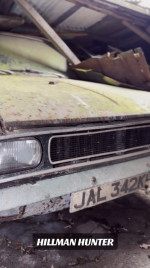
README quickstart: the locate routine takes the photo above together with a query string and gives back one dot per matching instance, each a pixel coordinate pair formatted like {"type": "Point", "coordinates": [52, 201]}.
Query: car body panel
{"type": "Point", "coordinates": [47, 188]}
{"type": "Point", "coordinates": [36, 100]}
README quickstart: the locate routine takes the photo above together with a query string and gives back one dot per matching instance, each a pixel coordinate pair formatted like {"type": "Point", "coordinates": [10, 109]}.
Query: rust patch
{"type": "Point", "coordinates": [129, 68]}
{"type": "Point", "coordinates": [14, 217]}
{"type": "Point", "coordinates": [48, 206]}
{"type": "Point", "coordinates": [3, 126]}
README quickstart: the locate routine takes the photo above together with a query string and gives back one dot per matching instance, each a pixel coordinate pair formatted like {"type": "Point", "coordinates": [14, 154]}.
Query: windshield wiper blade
{"type": "Point", "coordinates": [32, 71]}
{"type": "Point", "coordinates": [6, 71]}
{"type": "Point", "coordinates": [59, 75]}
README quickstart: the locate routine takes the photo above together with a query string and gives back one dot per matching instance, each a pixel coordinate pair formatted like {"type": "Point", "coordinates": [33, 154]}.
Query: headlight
{"type": "Point", "coordinates": [19, 154]}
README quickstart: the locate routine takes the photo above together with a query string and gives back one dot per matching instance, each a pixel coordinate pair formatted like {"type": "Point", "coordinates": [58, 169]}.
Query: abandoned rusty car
{"type": "Point", "coordinates": [72, 135]}
{"type": "Point", "coordinates": [63, 141]}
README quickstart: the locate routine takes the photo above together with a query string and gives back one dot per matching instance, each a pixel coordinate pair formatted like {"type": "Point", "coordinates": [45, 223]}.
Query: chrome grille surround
{"type": "Point", "coordinates": [89, 145]}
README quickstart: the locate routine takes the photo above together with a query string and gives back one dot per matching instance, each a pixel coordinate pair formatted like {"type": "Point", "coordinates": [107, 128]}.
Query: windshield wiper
{"type": "Point", "coordinates": [32, 71]}
{"type": "Point", "coordinates": [6, 71]}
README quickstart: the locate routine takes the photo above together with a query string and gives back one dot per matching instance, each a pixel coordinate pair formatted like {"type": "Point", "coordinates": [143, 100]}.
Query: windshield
{"type": "Point", "coordinates": [28, 55]}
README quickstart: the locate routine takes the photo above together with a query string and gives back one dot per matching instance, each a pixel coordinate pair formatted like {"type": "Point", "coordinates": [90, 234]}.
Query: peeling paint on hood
{"type": "Point", "coordinates": [36, 100]}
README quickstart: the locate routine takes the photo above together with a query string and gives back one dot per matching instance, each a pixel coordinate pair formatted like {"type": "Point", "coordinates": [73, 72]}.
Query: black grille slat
{"type": "Point", "coordinates": [63, 148]}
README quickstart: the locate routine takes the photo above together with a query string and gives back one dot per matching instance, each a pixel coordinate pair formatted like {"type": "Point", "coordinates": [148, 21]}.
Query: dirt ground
{"type": "Point", "coordinates": [128, 216]}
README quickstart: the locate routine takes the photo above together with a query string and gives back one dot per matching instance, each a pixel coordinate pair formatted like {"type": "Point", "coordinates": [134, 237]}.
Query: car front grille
{"type": "Point", "coordinates": [78, 146]}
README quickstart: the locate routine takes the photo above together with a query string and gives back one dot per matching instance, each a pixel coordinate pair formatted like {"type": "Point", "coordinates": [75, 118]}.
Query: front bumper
{"type": "Point", "coordinates": [33, 197]}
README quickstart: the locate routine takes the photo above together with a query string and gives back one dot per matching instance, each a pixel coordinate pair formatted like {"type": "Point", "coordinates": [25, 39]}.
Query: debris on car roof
{"type": "Point", "coordinates": [128, 68]}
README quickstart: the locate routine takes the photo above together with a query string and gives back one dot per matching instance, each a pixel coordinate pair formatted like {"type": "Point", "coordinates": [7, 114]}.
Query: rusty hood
{"type": "Point", "coordinates": [34, 100]}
